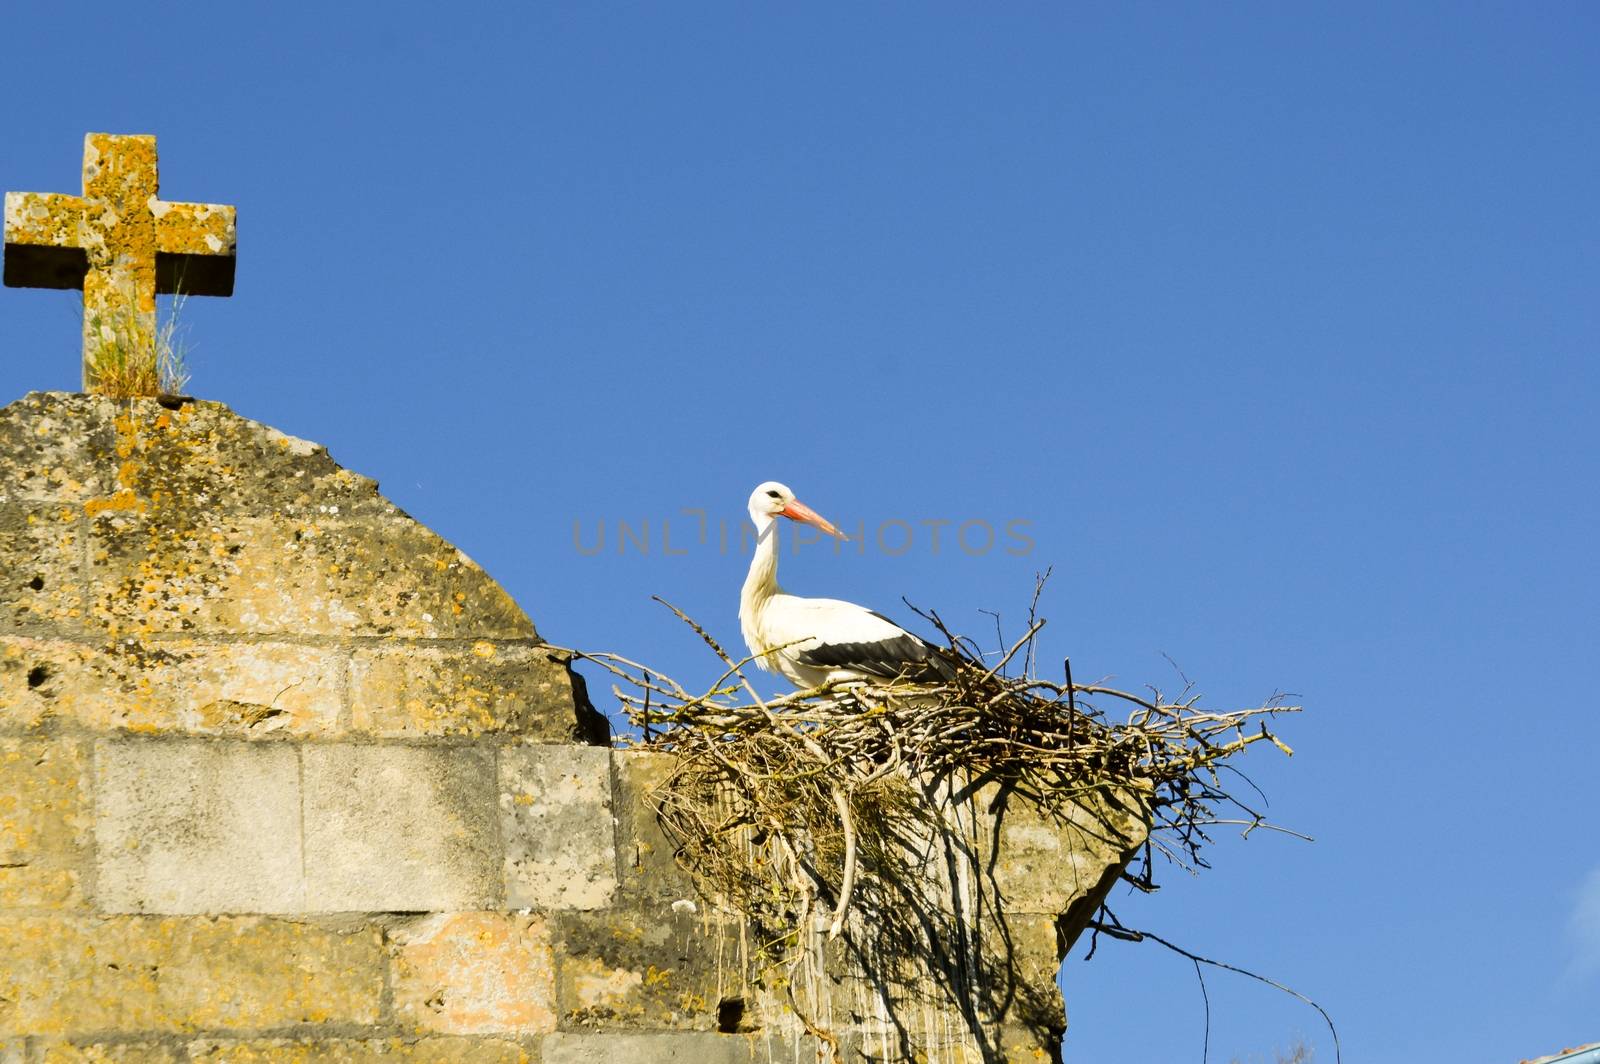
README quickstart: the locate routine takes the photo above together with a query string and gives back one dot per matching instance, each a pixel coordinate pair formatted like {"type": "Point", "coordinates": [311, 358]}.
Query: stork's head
{"type": "Point", "coordinates": [772, 499]}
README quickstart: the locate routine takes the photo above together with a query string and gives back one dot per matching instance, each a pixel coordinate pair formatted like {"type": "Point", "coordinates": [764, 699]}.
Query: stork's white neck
{"type": "Point", "coordinates": [760, 583]}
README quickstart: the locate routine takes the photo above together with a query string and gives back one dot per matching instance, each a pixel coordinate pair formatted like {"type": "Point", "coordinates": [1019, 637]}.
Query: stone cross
{"type": "Point", "coordinates": [121, 245]}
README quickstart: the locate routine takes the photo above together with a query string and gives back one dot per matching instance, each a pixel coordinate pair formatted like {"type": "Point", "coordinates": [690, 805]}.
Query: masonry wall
{"type": "Point", "coordinates": [285, 776]}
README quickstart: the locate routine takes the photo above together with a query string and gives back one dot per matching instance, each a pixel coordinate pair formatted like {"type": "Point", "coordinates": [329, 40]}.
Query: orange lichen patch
{"type": "Point", "coordinates": [194, 228]}
{"type": "Point", "coordinates": [123, 501]}
{"type": "Point", "coordinates": [127, 434]}
{"type": "Point", "coordinates": [119, 170]}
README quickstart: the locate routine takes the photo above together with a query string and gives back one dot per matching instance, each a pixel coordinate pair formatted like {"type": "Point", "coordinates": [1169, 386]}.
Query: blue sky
{"type": "Point", "coordinates": [1275, 324]}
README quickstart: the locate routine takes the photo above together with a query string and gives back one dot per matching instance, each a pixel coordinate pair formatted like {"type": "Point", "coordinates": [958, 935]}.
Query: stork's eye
{"type": "Point", "coordinates": [775, 495]}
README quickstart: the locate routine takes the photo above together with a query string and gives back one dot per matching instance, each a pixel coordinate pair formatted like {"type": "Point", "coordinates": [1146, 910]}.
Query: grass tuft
{"type": "Point", "coordinates": [127, 359]}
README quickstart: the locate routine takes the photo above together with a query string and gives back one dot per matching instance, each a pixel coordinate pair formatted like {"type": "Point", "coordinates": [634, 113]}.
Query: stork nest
{"type": "Point", "coordinates": [773, 802]}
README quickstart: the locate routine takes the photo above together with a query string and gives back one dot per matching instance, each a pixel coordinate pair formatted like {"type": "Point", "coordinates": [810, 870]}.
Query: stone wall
{"type": "Point", "coordinates": [284, 776]}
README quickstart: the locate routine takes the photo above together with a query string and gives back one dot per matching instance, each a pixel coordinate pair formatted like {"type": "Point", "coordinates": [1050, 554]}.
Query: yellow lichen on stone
{"type": "Point", "coordinates": [43, 218]}
{"type": "Point", "coordinates": [43, 823]}
{"type": "Point", "coordinates": [60, 975]}
{"type": "Point", "coordinates": [194, 228]}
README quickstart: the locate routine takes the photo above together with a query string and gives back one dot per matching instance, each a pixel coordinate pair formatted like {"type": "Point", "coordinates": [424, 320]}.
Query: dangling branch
{"type": "Point", "coordinates": [1117, 930]}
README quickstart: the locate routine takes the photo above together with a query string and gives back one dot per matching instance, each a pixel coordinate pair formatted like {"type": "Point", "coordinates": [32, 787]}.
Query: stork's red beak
{"type": "Point", "coordinates": [799, 511]}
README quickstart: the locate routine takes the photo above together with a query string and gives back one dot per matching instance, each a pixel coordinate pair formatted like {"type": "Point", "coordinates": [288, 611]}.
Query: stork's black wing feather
{"type": "Point", "coordinates": [903, 657]}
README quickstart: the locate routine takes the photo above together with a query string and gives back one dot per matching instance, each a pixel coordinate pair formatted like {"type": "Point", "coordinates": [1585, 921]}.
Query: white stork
{"type": "Point", "coordinates": [816, 640]}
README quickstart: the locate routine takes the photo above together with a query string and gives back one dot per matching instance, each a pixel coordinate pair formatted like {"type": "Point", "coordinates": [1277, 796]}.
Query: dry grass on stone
{"type": "Point", "coordinates": [129, 358]}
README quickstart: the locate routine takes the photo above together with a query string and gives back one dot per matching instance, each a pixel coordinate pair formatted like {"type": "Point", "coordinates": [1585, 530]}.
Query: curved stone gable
{"type": "Point", "coordinates": [285, 777]}
{"type": "Point", "coordinates": [179, 568]}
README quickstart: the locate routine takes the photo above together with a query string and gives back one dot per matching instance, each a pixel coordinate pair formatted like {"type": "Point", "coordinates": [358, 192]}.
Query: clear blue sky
{"type": "Point", "coordinates": [1277, 323]}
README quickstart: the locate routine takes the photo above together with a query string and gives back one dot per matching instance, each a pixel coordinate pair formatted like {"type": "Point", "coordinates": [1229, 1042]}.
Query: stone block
{"type": "Point", "coordinates": [1048, 861]}
{"type": "Point", "coordinates": [477, 688]}
{"type": "Point", "coordinates": [659, 968]}
{"type": "Point", "coordinates": [42, 679]}
{"type": "Point", "coordinates": [1006, 964]}
{"type": "Point", "coordinates": [1021, 958]}
{"type": "Point", "coordinates": [41, 554]}
{"type": "Point", "coordinates": [322, 574]}
{"type": "Point", "coordinates": [681, 1047]}
{"type": "Point", "coordinates": [557, 828]}
{"type": "Point", "coordinates": [61, 976]}
{"type": "Point", "coordinates": [44, 822]}
{"type": "Point", "coordinates": [400, 828]}
{"type": "Point", "coordinates": [475, 973]}
{"type": "Point", "coordinates": [361, 1051]}
{"type": "Point", "coordinates": [238, 690]}
{"type": "Point", "coordinates": [197, 827]}
{"type": "Point", "coordinates": [647, 866]}
{"type": "Point", "coordinates": [250, 690]}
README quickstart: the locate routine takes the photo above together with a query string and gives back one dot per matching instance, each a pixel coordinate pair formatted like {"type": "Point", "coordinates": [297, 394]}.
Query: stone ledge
{"type": "Point", "coordinates": [362, 1051]}
{"type": "Point", "coordinates": [92, 1052]}
{"type": "Point", "coordinates": [270, 688]}
{"type": "Point", "coordinates": [74, 447]}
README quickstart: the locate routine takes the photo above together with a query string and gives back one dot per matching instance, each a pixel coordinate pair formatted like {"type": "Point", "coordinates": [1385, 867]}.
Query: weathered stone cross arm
{"type": "Point", "coordinates": [121, 244]}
